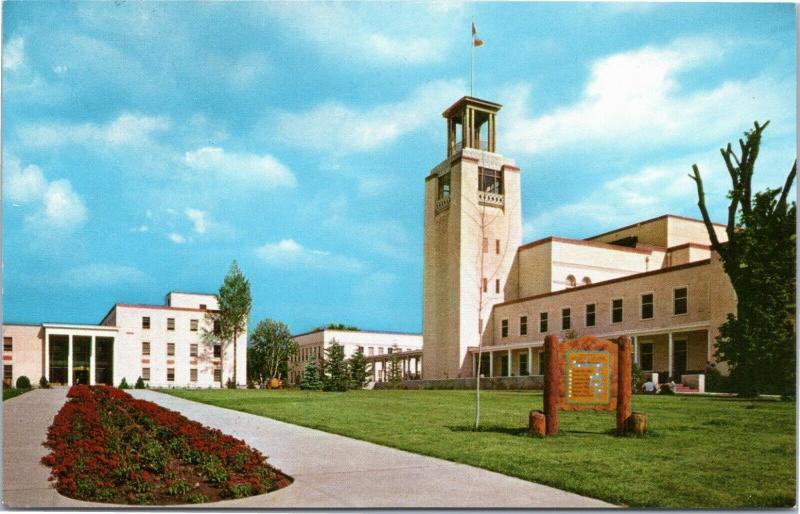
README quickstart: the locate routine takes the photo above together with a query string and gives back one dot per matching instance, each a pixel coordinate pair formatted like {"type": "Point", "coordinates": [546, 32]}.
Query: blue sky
{"type": "Point", "coordinates": [147, 145]}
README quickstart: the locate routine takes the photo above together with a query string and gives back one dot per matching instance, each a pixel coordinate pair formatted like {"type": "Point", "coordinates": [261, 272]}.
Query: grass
{"type": "Point", "coordinates": [701, 451]}
{"type": "Point", "coordinates": [12, 392]}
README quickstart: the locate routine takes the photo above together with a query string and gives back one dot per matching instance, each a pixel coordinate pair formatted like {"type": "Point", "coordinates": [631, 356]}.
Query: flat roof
{"type": "Point", "coordinates": [651, 220]}
{"type": "Point", "coordinates": [358, 332]}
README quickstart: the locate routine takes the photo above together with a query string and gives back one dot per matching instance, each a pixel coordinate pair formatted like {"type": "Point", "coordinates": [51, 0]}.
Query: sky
{"type": "Point", "coordinates": [148, 145]}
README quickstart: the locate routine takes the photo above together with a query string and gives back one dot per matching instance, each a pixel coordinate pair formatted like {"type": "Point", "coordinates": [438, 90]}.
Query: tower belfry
{"type": "Point", "coordinates": [473, 228]}
{"type": "Point", "coordinates": [465, 120]}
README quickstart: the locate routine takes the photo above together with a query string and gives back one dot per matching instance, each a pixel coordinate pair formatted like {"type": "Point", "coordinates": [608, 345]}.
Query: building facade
{"type": "Point", "coordinates": [489, 301]}
{"type": "Point", "coordinates": [378, 348]}
{"type": "Point", "coordinates": [170, 345]}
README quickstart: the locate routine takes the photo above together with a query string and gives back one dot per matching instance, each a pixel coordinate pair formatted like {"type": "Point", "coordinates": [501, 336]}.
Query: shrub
{"type": "Point", "coordinates": [666, 389]}
{"type": "Point", "coordinates": [23, 382]}
{"type": "Point", "coordinates": [139, 384]}
{"type": "Point", "coordinates": [716, 382]}
{"type": "Point", "coordinates": [637, 378]}
{"type": "Point", "coordinates": [230, 384]}
{"type": "Point", "coordinates": [43, 383]}
{"type": "Point", "coordinates": [124, 384]}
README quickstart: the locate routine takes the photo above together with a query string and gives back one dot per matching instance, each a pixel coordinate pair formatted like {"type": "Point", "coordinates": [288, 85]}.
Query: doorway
{"type": "Point", "coordinates": [679, 359]}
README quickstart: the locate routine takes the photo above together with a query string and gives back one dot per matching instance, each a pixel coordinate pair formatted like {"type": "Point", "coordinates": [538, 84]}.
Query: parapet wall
{"type": "Point", "coordinates": [535, 382]}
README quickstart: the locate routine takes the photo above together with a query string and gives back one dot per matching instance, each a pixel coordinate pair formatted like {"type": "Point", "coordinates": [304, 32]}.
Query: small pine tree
{"type": "Point", "coordinates": [139, 383]}
{"type": "Point", "coordinates": [395, 372]}
{"type": "Point", "coordinates": [124, 384]}
{"type": "Point", "coordinates": [336, 378]}
{"type": "Point", "coordinates": [311, 380]}
{"type": "Point", "coordinates": [43, 383]}
{"type": "Point", "coordinates": [358, 369]}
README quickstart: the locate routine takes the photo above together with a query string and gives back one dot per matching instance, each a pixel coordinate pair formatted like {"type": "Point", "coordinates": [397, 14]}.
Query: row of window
{"type": "Point", "coordinates": [680, 305]}
{"type": "Point", "coordinates": [192, 374]}
{"type": "Point", "coordinates": [171, 349]}
{"type": "Point", "coordinates": [485, 285]}
{"type": "Point", "coordinates": [193, 324]}
{"type": "Point", "coordinates": [304, 353]}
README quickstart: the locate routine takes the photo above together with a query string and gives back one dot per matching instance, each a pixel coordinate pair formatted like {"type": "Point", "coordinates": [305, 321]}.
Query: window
{"type": "Point", "coordinates": [145, 348]}
{"type": "Point", "coordinates": [371, 350]}
{"type": "Point", "coordinates": [485, 245]}
{"type": "Point", "coordinates": [566, 319]}
{"type": "Point", "coordinates": [145, 373]}
{"type": "Point", "coordinates": [586, 281]}
{"type": "Point", "coordinates": [171, 349]}
{"type": "Point", "coordinates": [485, 285]}
{"type": "Point", "coordinates": [217, 351]}
{"type": "Point", "coordinates": [490, 181]}
{"type": "Point", "coordinates": [170, 374]}
{"type": "Point", "coordinates": [497, 286]}
{"type": "Point", "coordinates": [646, 356]}
{"type": "Point", "coordinates": [193, 350]}
{"type": "Point", "coordinates": [523, 325]}
{"type": "Point", "coordinates": [616, 310]}
{"type": "Point", "coordinates": [444, 186]}
{"type": "Point", "coordinates": [523, 364]}
{"type": "Point", "coordinates": [170, 323]}
{"type": "Point", "coordinates": [8, 344]}
{"type": "Point", "coordinates": [590, 314]}
{"type": "Point", "coordinates": [217, 374]}
{"type": "Point", "coordinates": [193, 325]}
{"type": "Point", "coordinates": [504, 328]}
{"type": "Point", "coordinates": [497, 246]}
{"type": "Point", "coordinates": [542, 322]}
{"type": "Point", "coordinates": [647, 306]}
{"type": "Point", "coordinates": [146, 322]}
{"type": "Point", "coordinates": [380, 350]}
{"type": "Point", "coordinates": [681, 301]}
{"type": "Point", "coordinates": [8, 372]}
{"type": "Point", "coordinates": [571, 282]}
{"type": "Point", "coordinates": [203, 306]}
{"type": "Point", "coordinates": [217, 328]}
{"type": "Point", "coordinates": [193, 375]}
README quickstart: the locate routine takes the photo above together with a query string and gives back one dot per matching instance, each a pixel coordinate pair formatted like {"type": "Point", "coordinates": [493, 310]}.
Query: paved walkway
{"type": "Point", "coordinates": [329, 470]}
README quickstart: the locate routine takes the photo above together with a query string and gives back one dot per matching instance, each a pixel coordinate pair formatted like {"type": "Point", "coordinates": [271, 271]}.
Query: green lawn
{"type": "Point", "coordinates": [12, 392]}
{"type": "Point", "coordinates": [702, 451]}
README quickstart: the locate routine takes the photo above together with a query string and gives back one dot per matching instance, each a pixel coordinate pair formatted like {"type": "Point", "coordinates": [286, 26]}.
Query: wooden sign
{"type": "Point", "coordinates": [587, 373]}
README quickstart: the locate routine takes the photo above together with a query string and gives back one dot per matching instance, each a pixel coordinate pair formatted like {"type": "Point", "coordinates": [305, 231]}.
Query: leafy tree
{"type": "Point", "coordinates": [311, 380]}
{"type": "Point", "coordinates": [395, 372]}
{"type": "Point", "coordinates": [271, 345]}
{"type": "Point", "coordinates": [758, 342]}
{"type": "Point", "coordinates": [338, 326]}
{"type": "Point", "coordinates": [336, 378]}
{"type": "Point", "coordinates": [358, 369]}
{"type": "Point", "coordinates": [230, 320]}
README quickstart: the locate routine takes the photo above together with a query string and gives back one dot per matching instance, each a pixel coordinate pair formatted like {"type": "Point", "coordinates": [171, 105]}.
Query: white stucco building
{"type": "Point", "coordinates": [170, 345]}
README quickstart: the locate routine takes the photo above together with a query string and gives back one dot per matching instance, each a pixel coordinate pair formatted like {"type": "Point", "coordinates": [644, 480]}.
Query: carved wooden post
{"type": "Point", "coordinates": [624, 384]}
{"type": "Point", "coordinates": [552, 384]}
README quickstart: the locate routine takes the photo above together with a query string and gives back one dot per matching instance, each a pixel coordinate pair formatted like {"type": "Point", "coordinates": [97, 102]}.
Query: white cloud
{"type": "Point", "coordinates": [141, 229]}
{"type": "Point", "coordinates": [243, 168]}
{"type": "Point", "coordinates": [288, 253]}
{"type": "Point", "coordinates": [637, 100]}
{"type": "Point", "coordinates": [102, 275]}
{"type": "Point", "coordinates": [176, 238]}
{"type": "Point", "coordinates": [373, 34]}
{"type": "Point", "coordinates": [335, 127]}
{"type": "Point", "coordinates": [55, 204]}
{"type": "Point", "coordinates": [199, 219]}
{"type": "Point", "coordinates": [14, 54]}
{"type": "Point", "coordinates": [128, 129]}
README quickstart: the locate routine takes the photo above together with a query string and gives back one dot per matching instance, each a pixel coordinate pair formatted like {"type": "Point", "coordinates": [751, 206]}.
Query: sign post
{"type": "Point", "coordinates": [587, 373]}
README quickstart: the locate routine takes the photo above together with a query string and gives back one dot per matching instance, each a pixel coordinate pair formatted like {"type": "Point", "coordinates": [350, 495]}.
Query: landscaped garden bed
{"type": "Point", "coordinates": [107, 446]}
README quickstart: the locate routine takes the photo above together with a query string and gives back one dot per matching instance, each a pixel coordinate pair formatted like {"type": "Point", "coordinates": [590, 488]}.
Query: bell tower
{"type": "Point", "coordinates": [473, 228]}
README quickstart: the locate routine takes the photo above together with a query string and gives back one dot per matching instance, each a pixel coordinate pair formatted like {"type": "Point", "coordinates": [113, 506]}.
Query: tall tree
{"type": "Point", "coordinates": [759, 256]}
{"type": "Point", "coordinates": [234, 303]}
{"type": "Point", "coordinates": [358, 369]}
{"type": "Point", "coordinates": [273, 345]}
{"type": "Point", "coordinates": [395, 372]}
{"type": "Point", "coordinates": [336, 378]}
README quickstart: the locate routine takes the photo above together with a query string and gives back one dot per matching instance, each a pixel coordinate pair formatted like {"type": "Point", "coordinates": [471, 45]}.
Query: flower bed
{"type": "Point", "coordinates": [107, 446]}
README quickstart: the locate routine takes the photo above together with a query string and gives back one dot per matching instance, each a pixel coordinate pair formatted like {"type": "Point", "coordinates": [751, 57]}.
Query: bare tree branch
{"type": "Point", "coordinates": [701, 203]}
{"type": "Point", "coordinates": [787, 186]}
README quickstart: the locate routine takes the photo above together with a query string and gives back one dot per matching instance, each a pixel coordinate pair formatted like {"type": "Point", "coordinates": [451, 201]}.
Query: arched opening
{"type": "Point", "coordinates": [586, 281]}
{"type": "Point", "coordinates": [571, 282]}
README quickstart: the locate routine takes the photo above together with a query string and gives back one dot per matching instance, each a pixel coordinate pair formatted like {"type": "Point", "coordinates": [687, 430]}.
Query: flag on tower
{"type": "Point", "coordinates": [476, 41]}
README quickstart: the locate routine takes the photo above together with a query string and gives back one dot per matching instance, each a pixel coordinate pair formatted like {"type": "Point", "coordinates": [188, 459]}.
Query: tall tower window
{"type": "Point", "coordinates": [444, 186]}
{"type": "Point", "coordinates": [490, 181]}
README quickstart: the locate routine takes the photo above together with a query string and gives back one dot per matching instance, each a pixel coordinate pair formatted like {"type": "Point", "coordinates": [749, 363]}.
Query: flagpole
{"type": "Point", "coordinates": [471, 57]}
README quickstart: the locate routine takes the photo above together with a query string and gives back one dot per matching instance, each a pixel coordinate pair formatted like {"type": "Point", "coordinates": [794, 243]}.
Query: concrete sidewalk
{"type": "Point", "coordinates": [329, 470]}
